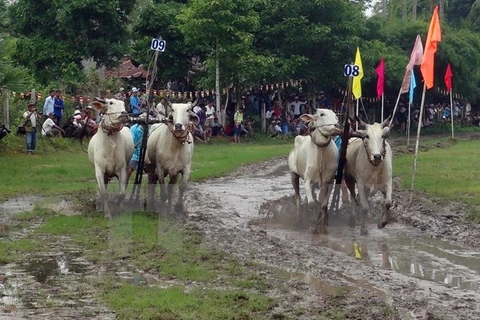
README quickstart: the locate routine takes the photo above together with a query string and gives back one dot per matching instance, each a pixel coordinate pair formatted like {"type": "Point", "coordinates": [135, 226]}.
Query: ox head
{"type": "Point", "coordinates": [113, 110]}
{"type": "Point", "coordinates": [374, 137]}
{"type": "Point", "coordinates": [323, 124]}
{"type": "Point", "coordinates": [181, 115]}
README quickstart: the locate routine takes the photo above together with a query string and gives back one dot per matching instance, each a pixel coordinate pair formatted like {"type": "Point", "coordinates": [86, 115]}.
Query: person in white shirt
{"type": "Point", "coordinates": [210, 113]}
{"type": "Point", "coordinates": [297, 107]}
{"type": "Point", "coordinates": [48, 106]}
{"type": "Point", "coordinates": [50, 128]}
{"type": "Point", "coordinates": [31, 120]}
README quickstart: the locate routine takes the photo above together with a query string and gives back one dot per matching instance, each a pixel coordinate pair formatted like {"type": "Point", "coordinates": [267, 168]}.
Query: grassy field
{"type": "Point", "coordinates": [171, 249]}
{"type": "Point", "coordinates": [67, 171]}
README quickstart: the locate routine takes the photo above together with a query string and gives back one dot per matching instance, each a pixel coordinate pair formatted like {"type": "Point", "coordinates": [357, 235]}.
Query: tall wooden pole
{"type": "Point", "coordinates": [451, 112]}
{"type": "Point", "coordinates": [408, 124]}
{"type": "Point", "coordinates": [396, 106]}
{"type": "Point", "coordinates": [420, 120]}
{"type": "Point", "coordinates": [6, 109]}
{"type": "Point", "coordinates": [383, 106]}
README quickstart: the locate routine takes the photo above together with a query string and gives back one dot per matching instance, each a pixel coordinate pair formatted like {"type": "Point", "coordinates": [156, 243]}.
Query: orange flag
{"type": "Point", "coordinates": [434, 36]}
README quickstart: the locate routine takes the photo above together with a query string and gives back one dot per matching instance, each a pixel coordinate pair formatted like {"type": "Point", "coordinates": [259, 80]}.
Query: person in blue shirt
{"type": "Point", "coordinates": [58, 107]}
{"type": "Point", "coordinates": [135, 103]}
{"type": "Point", "coordinates": [137, 133]}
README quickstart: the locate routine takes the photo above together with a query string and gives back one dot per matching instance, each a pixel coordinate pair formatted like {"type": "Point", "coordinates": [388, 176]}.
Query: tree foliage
{"type": "Point", "coordinates": [52, 34]}
{"type": "Point", "coordinates": [255, 40]}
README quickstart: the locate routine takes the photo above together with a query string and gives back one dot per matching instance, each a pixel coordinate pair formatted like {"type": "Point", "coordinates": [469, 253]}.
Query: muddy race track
{"type": "Point", "coordinates": [424, 265]}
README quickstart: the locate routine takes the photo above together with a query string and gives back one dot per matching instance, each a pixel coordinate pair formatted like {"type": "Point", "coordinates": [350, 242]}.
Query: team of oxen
{"type": "Point", "coordinates": [314, 158]}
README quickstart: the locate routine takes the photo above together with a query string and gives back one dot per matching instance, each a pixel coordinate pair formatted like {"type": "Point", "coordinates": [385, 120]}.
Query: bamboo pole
{"type": "Point", "coordinates": [383, 106]}
{"type": "Point", "coordinates": [395, 108]}
{"type": "Point", "coordinates": [420, 120]}
{"type": "Point", "coordinates": [451, 112]}
{"type": "Point", "coordinates": [356, 113]}
{"type": "Point", "coordinates": [409, 123]}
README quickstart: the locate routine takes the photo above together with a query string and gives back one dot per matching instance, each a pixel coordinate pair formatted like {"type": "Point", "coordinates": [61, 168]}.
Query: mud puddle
{"type": "Point", "coordinates": [419, 276]}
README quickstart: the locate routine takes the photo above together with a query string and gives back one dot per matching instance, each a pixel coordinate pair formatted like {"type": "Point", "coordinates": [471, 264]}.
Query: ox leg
{"type": "Point", "coordinates": [152, 183]}
{"type": "Point", "coordinates": [181, 190]}
{"type": "Point", "coordinates": [351, 187]}
{"type": "Point", "coordinates": [102, 182]}
{"type": "Point", "coordinates": [161, 181]}
{"type": "Point", "coordinates": [382, 222]}
{"type": "Point", "coordinates": [123, 181]}
{"type": "Point", "coordinates": [323, 197]}
{"type": "Point", "coordinates": [171, 184]}
{"type": "Point", "coordinates": [296, 187]}
{"type": "Point", "coordinates": [362, 192]}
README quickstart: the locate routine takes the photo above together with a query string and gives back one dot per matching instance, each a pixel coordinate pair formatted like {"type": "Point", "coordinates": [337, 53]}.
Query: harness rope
{"type": "Point", "coordinates": [329, 138]}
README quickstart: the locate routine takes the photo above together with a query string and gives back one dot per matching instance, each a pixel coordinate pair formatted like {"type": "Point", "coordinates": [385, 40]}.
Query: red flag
{"type": "Point", "coordinates": [416, 58]}
{"type": "Point", "coordinates": [380, 70]}
{"type": "Point", "coordinates": [448, 78]}
{"type": "Point", "coordinates": [434, 36]}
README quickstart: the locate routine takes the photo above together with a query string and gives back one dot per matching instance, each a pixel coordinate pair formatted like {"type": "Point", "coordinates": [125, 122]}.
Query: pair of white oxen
{"type": "Point", "coordinates": [169, 151]}
{"type": "Point", "coordinates": [314, 158]}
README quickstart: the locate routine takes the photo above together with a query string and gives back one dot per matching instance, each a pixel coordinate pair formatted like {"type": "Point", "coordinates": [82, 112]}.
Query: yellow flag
{"type": "Point", "coordinates": [357, 80]}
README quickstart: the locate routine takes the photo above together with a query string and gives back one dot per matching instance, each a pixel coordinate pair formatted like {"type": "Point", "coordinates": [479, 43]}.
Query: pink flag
{"type": "Point", "coordinates": [380, 70]}
{"type": "Point", "coordinates": [416, 58]}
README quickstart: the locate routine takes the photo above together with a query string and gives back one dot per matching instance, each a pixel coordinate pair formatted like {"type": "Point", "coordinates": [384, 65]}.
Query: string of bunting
{"type": "Point", "coordinates": [207, 93]}
{"type": "Point", "coordinates": [180, 94]}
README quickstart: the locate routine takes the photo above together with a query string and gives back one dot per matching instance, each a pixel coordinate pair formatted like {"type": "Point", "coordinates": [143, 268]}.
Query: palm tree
{"type": "Point", "coordinates": [12, 78]}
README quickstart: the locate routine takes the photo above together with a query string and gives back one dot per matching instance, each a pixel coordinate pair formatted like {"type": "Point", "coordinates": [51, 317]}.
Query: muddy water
{"type": "Point", "coordinates": [47, 285]}
{"type": "Point", "coordinates": [419, 275]}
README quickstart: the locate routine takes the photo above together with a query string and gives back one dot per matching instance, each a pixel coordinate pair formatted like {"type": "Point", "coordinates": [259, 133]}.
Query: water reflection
{"type": "Point", "coordinates": [426, 261]}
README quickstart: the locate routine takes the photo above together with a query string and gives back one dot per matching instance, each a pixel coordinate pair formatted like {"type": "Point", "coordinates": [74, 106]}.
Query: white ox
{"type": "Point", "coordinates": [369, 165]}
{"type": "Point", "coordinates": [169, 152]}
{"type": "Point", "coordinates": [314, 159]}
{"type": "Point", "coordinates": [111, 148]}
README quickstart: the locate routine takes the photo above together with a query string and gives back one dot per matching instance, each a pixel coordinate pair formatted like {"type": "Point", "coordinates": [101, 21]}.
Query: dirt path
{"type": "Point", "coordinates": [422, 277]}
{"type": "Point", "coordinates": [424, 266]}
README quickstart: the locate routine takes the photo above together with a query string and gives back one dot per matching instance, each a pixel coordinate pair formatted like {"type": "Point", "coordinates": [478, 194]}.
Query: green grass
{"type": "Point", "coordinates": [132, 302]}
{"type": "Point", "coordinates": [15, 251]}
{"type": "Point", "coordinates": [69, 171]}
{"type": "Point", "coordinates": [451, 174]}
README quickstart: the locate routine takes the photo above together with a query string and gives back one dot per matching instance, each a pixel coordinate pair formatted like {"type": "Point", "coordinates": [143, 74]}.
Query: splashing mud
{"type": "Point", "coordinates": [419, 276]}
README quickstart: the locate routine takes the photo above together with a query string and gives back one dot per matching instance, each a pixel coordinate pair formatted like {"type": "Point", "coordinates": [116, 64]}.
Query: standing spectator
{"type": "Point", "coordinates": [50, 128]}
{"type": "Point", "coordinates": [48, 106]}
{"type": "Point", "coordinates": [210, 112]}
{"type": "Point", "coordinates": [269, 115]}
{"type": "Point", "coordinates": [135, 103]}
{"type": "Point", "coordinates": [58, 107]}
{"type": "Point", "coordinates": [238, 119]}
{"type": "Point", "coordinates": [296, 104]}
{"type": "Point", "coordinates": [284, 123]}
{"type": "Point", "coordinates": [31, 120]}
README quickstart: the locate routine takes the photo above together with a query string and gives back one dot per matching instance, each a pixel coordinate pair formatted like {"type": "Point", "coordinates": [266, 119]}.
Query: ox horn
{"type": "Point", "coordinates": [101, 100]}
{"type": "Point", "coordinates": [386, 122]}
{"type": "Point", "coordinates": [360, 122]}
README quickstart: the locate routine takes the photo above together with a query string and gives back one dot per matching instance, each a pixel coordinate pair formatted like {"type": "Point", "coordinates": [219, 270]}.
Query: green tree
{"type": "Point", "coordinates": [224, 30]}
{"type": "Point", "coordinates": [54, 33]}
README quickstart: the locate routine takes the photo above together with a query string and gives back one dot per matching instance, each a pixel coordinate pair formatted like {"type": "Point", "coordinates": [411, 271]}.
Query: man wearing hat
{"type": "Point", "coordinates": [121, 95]}
{"type": "Point", "coordinates": [135, 103]}
{"type": "Point", "coordinates": [31, 120]}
